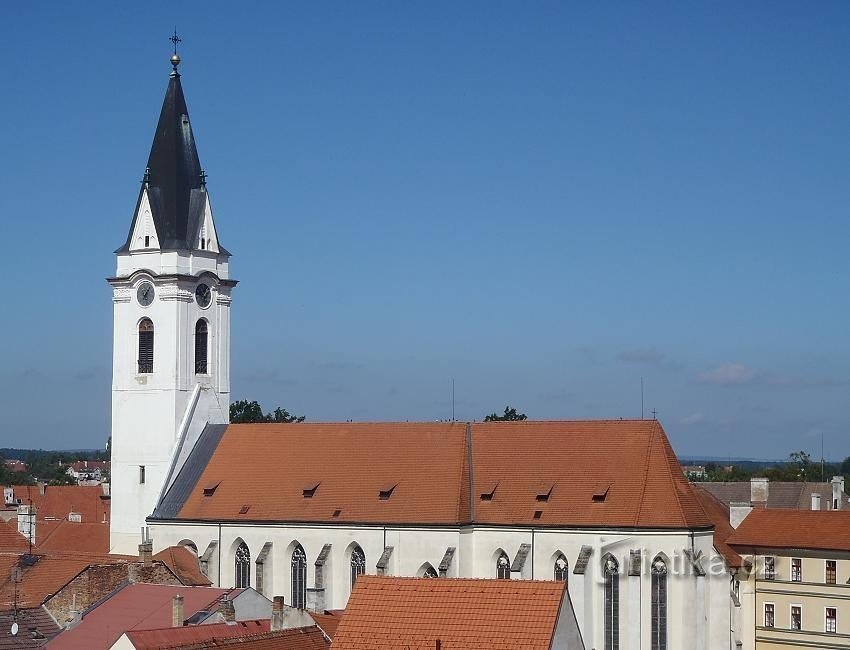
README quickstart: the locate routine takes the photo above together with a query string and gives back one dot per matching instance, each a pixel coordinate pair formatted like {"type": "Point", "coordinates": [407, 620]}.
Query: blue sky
{"type": "Point", "coordinates": [544, 201]}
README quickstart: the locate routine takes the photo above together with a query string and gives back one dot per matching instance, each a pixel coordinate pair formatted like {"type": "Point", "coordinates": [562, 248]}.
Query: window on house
{"type": "Point", "coordinates": [503, 566]}
{"type": "Point", "coordinates": [358, 563]}
{"type": "Point", "coordinates": [299, 578]}
{"type": "Point", "coordinates": [141, 474]}
{"type": "Point", "coordinates": [201, 347]}
{"type": "Point", "coordinates": [611, 571]}
{"type": "Point", "coordinates": [243, 566]}
{"type": "Point", "coordinates": [146, 346]}
{"type": "Point", "coordinates": [769, 615]}
{"type": "Point", "coordinates": [831, 620]}
{"type": "Point", "coordinates": [796, 617]}
{"type": "Point", "coordinates": [796, 570]}
{"type": "Point", "coordinates": [770, 568]}
{"type": "Point", "coordinates": [561, 568]}
{"type": "Point", "coordinates": [659, 604]}
{"type": "Point", "coordinates": [830, 572]}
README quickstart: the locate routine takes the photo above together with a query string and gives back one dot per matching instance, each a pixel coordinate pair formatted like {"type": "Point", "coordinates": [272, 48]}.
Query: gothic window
{"type": "Point", "coordinates": [201, 347]}
{"type": "Point", "coordinates": [243, 566]}
{"type": "Point", "coordinates": [611, 571]}
{"type": "Point", "coordinates": [561, 568]}
{"type": "Point", "coordinates": [146, 346]}
{"type": "Point", "coordinates": [430, 572]}
{"type": "Point", "coordinates": [299, 578]}
{"type": "Point", "coordinates": [503, 566]}
{"type": "Point", "coordinates": [659, 604]}
{"type": "Point", "coordinates": [358, 563]}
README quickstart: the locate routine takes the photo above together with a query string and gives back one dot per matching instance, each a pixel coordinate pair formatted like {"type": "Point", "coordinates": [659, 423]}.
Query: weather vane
{"type": "Point", "coordinates": [175, 58]}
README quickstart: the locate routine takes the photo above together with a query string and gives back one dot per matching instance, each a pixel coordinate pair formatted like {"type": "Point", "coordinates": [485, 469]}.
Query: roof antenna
{"type": "Point", "coordinates": [453, 399]}
{"type": "Point", "coordinates": [175, 58]}
{"type": "Point", "coordinates": [654, 414]}
{"type": "Point", "coordinates": [641, 398]}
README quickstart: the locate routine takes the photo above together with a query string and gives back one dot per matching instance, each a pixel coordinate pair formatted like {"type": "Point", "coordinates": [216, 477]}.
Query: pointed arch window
{"type": "Point", "coordinates": [358, 563]}
{"type": "Point", "coordinates": [430, 572]}
{"type": "Point", "coordinates": [145, 346]}
{"type": "Point", "coordinates": [611, 571]}
{"type": "Point", "coordinates": [299, 577]}
{"type": "Point", "coordinates": [659, 604]}
{"type": "Point", "coordinates": [561, 568]}
{"type": "Point", "coordinates": [243, 566]}
{"type": "Point", "coordinates": [503, 566]}
{"type": "Point", "coordinates": [201, 347]}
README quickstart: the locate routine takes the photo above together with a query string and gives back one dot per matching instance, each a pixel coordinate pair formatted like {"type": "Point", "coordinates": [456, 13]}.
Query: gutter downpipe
{"type": "Point", "coordinates": [219, 555]}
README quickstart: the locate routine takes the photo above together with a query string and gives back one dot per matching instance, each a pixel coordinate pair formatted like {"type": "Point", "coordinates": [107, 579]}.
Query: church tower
{"type": "Point", "coordinates": [171, 342]}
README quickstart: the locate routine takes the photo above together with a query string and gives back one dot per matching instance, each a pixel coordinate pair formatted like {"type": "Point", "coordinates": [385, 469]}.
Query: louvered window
{"type": "Point", "coordinates": [146, 346]}
{"type": "Point", "coordinates": [561, 568]}
{"type": "Point", "coordinates": [612, 603]}
{"type": "Point", "coordinates": [243, 566]}
{"type": "Point", "coordinates": [659, 604]}
{"type": "Point", "coordinates": [201, 347]}
{"type": "Point", "coordinates": [503, 567]}
{"type": "Point", "coordinates": [299, 578]}
{"type": "Point", "coordinates": [358, 563]}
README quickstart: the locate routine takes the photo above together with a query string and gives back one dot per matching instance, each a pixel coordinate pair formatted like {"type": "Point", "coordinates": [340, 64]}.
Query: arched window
{"type": "Point", "coordinates": [201, 347]}
{"type": "Point", "coordinates": [358, 563]}
{"type": "Point", "coordinates": [299, 577]}
{"type": "Point", "coordinates": [561, 568]}
{"type": "Point", "coordinates": [659, 604]}
{"type": "Point", "coordinates": [430, 572]}
{"type": "Point", "coordinates": [146, 346]}
{"type": "Point", "coordinates": [611, 573]}
{"type": "Point", "coordinates": [503, 566]}
{"type": "Point", "coordinates": [243, 566]}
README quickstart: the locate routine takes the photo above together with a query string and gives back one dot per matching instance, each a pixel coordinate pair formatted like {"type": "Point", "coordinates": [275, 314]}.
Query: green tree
{"type": "Point", "coordinates": [800, 464]}
{"type": "Point", "coordinates": [243, 412]}
{"type": "Point", "coordinates": [510, 415]}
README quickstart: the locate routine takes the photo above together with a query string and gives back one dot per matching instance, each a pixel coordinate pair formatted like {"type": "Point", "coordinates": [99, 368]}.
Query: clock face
{"type": "Point", "coordinates": [203, 295]}
{"type": "Point", "coordinates": [145, 294]}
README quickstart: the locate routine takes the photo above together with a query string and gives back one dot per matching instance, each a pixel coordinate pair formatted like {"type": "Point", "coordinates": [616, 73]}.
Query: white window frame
{"type": "Point", "coordinates": [826, 620]}
{"type": "Point", "coordinates": [791, 617]}
{"type": "Point", "coordinates": [764, 616]}
{"type": "Point", "coordinates": [826, 572]}
{"type": "Point", "coordinates": [772, 575]}
{"type": "Point", "coordinates": [800, 577]}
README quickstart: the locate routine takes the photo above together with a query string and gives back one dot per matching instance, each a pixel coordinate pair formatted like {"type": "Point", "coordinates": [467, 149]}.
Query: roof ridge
{"type": "Point", "coordinates": [647, 459]}
{"type": "Point", "coordinates": [673, 480]}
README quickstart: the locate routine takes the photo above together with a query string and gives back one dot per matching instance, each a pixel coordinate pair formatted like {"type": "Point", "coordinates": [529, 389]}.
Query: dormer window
{"type": "Point", "coordinates": [309, 490]}
{"type": "Point", "coordinates": [600, 492]}
{"type": "Point", "coordinates": [386, 491]}
{"type": "Point", "coordinates": [489, 490]}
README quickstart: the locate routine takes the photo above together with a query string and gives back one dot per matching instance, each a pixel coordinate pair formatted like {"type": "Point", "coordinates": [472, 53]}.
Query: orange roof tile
{"type": "Point", "coordinates": [298, 638]}
{"type": "Point", "coordinates": [175, 637]}
{"type": "Point", "coordinates": [718, 512]}
{"type": "Point", "coordinates": [184, 563]}
{"type": "Point", "coordinates": [353, 462]}
{"type": "Point", "coordinates": [60, 500]}
{"type": "Point", "coordinates": [10, 538]}
{"type": "Point", "coordinates": [389, 612]}
{"type": "Point", "coordinates": [328, 621]}
{"type": "Point", "coordinates": [72, 536]}
{"type": "Point", "coordinates": [824, 530]}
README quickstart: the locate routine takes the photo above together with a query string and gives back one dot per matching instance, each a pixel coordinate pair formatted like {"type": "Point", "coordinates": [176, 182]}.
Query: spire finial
{"type": "Point", "coordinates": [203, 178]}
{"type": "Point", "coordinates": [146, 179]}
{"type": "Point", "coordinates": [175, 58]}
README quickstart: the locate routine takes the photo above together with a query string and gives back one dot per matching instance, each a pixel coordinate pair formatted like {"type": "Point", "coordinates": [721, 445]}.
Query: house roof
{"type": "Point", "coordinates": [58, 501]}
{"type": "Point", "coordinates": [184, 563]}
{"type": "Point", "coordinates": [718, 512]}
{"type": "Point", "coordinates": [89, 465]}
{"type": "Point", "coordinates": [780, 494]}
{"type": "Point", "coordinates": [328, 621]}
{"type": "Point", "coordinates": [174, 637]}
{"type": "Point", "coordinates": [136, 607]}
{"type": "Point", "coordinates": [390, 612]}
{"type": "Point", "coordinates": [10, 538]}
{"type": "Point", "coordinates": [72, 536]}
{"type": "Point", "coordinates": [35, 628]}
{"type": "Point", "coordinates": [374, 473]}
{"type": "Point", "coordinates": [299, 638]}
{"type": "Point", "coordinates": [818, 530]}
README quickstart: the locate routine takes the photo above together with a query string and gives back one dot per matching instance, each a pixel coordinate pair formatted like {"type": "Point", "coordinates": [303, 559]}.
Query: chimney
{"type": "Point", "coordinates": [26, 522]}
{"type": "Point", "coordinates": [738, 512]}
{"type": "Point", "coordinates": [815, 501]}
{"type": "Point", "coordinates": [42, 487]}
{"type": "Point", "coordinates": [277, 614]}
{"type": "Point", "coordinates": [177, 611]}
{"type": "Point", "coordinates": [758, 491]}
{"type": "Point", "coordinates": [146, 553]}
{"type": "Point", "coordinates": [838, 493]}
{"type": "Point", "coordinates": [228, 611]}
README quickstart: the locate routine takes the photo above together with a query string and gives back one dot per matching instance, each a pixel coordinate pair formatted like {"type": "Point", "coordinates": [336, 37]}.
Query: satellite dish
{"type": "Point", "coordinates": [14, 629]}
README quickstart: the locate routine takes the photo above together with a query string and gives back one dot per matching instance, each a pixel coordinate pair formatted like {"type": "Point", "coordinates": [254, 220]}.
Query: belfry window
{"type": "Point", "coordinates": [503, 566]}
{"type": "Point", "coordinates": [658, 620]}
{"type": "Point", "coordinates": [299, 578]}
{"type": "Point", "coordinates": [561, 568]}
{"type": "Point", "coordinates": [147, 241]}
{"type": "Point", "coordinates": [146, 346]}
{"type": "Point", "coordinates": [358, 563]}
{"type": "Point", "coordinates": [243, 566]}
{"type": "Point", "coordinates": [201, 347]}
{"type": "Point", "coordinates": [611, 574]}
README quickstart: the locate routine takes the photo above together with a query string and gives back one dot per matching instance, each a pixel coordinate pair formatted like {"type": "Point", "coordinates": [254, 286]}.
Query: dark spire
{"type": "Point", "coordinates": [174, 179]}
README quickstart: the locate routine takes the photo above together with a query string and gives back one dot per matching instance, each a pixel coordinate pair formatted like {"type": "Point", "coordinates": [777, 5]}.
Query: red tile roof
{"type": "Point", "coordinates": [184, 563]}
{"type": "Point", "coordinates": [174, 637]}
{"type": "Point", "coordinates": [10, 538]}
{"type": "Point", "coordinates": [328, 621]}
{"type": "Point", "coordinates": [60, 500]}
{"type": "Point", "coordinates": [718, 512]}
{"type": "Point", "coordinates": [356, 461]}
{"type": "Point", "coordinates": [299, 638]}
{"type": "Point", "coordinates": [389, 612]}
{"type": "Point", "coordinates": [35, 628]}
{"type": "Point", "coordinates": [824, 530]}
{"type": "Point", "coordinates": [72, 536]}
{"type": "Point", "coordinates": [135, 607]}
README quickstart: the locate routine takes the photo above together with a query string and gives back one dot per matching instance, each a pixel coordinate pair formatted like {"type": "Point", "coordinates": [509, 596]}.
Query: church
{"type": "Point", "coordinates": [301, 510]}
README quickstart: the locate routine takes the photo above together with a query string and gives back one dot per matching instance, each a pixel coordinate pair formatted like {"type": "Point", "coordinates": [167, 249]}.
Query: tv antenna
{"type": "Point", "coordinates": [641, 398]}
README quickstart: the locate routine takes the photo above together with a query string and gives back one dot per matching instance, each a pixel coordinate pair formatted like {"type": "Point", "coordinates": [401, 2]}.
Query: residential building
{"type": "Point", "coordinates": [795, 589]}
{"type": "Point", "coordinates": [790, 495]}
